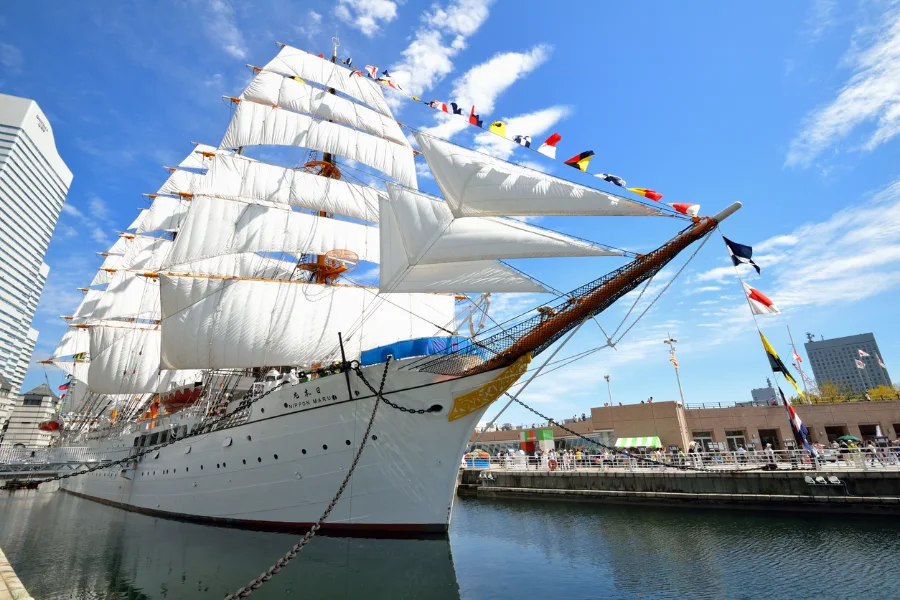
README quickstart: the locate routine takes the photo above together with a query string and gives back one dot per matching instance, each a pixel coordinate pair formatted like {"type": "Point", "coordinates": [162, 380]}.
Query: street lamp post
{"type": "Point", "coordinates": [608, 389]}
{"type": "Point", "coordinates": [671, 342]}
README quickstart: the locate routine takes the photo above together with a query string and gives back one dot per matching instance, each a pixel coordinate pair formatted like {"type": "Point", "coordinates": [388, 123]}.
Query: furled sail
{"type": "Point", "coordinates": [297, 63]}
{"type": "Point", "coordinates": [165, 214]}
{"type": "Point", "coordinates": [125, 360]}
{"type": "Point", "coordinates": [241, 179]}
{"type": "Point", "coordinates": [257, 125]}
{"type": "Point", "coordinates": [213, 323]}
{"type": "Point", "coordinates": [478, 185]}
{"type": "Point", "coordinates": [274, 89]}
{"type": "Point", "coordinates": [215, 227]}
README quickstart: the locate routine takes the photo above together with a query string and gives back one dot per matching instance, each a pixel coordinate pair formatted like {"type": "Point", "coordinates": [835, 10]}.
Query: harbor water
{"type": "Point", "coordinates": [64, 547]}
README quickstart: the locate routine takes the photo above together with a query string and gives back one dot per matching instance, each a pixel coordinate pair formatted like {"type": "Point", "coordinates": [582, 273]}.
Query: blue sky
{"type": "Point", "coordinates": [791, 108]}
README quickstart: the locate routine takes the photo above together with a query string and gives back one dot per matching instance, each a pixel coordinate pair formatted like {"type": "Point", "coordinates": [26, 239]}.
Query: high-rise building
{"type": "Point", "coordinates": [835, 361]}
{"type": "Point", "coordinates": [34, 182]}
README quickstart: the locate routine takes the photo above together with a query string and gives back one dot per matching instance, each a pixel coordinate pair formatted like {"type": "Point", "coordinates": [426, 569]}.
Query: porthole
{"type": "Point", "coordinates": [174, 470]}
{"type": "Point", "coordinates": [276, 456]}
{"type": "Point", "coordinates": [285, 404]}
{"type": "Point", "coordinates": [217, 465]}
{"type": "Point", "coordinates": [347, 442]}
{"type": "Point", "coordinates": [223, 465]}
{"type": "Point", "coordinates": [201, 467]}
{"type": "Point", "coordinates": [259, 459]}
{"type": "Point", "coordinates": [262, 410]}
{"type": "Point", "coordinates": [245, 461]}
{"type": "Point", "coordinates": [303, 451]}
{"type": "Point", "coordinates": [249, 438]}
{"type": "Point", "coordinates": [374, 437]}
{"type": "Point", "coordinates": [187, 468]}
{"type": "Point", "coordinates": [324, 446]}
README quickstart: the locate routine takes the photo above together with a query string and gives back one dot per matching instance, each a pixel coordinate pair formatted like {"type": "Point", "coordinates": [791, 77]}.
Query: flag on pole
{"type": "Point", "coordinates": [647, 193]}
{"type": "Point", "coordinates": [859, 364]}
{"type": "Point", "coordinates": [64, 386]}
{"type": "Point", "coordinates": [691, 210]}
{"type": "Point", "coordinates": [498, 127]}
{"type": "Point", "coordinates": [581, 160]}
{"type": "Point", "coordinates": [759, 302]}
{"type": "Point", "coordinates": [881, 364]}
{"type": "Point", "coordinates": [797, 356]}
{"type": "Point", "coordinates": [613, 179]}
{"type": "Point", "coordinates": [862, 354]}
{"type": "Point", "coordinates": [776, 364]}
{"type": "Point", "coordinates": [674, 361]}
{"type": "Point", "coordinates": [740, 253]}
{"type": "Point", "coordinates": [548, 148]}
{"type": "Point", "coordinates": [797, 426]}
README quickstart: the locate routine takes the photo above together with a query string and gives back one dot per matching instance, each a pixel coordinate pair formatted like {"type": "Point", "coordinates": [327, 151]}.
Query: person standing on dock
{"type": "Point", "coordinates": [770, 457]}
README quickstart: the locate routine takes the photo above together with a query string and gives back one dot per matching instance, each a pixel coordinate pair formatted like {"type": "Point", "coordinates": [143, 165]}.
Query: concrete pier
{"type": "Point", "coordinates": [863, 491]}
{"type": "Point", "coordinates": [10, 586]}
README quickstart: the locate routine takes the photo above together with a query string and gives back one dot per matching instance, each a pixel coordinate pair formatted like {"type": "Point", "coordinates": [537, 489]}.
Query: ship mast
{"type": "Point", "coordinates": [326, 268]}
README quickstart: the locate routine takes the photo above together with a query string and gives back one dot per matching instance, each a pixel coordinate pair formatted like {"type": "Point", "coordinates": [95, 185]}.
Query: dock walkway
{"type": "Point", "coordinates": [10, 586]}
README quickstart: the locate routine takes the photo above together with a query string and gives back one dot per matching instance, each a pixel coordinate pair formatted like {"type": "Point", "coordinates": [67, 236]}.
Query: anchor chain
{"type": "Point", "coordinates": [203, 430]}
{"type": "Point", "coordinates": [296, 548]}
{"type": "Point", "coordinates": [417, 411]}
{"type": "Point", "coordinates": [616, 451]}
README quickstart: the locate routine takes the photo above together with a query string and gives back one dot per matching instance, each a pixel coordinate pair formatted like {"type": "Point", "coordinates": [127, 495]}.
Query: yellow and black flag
{"type": "Point", "coordinates": [581, 161]}
{"type": "Point", "coordinates": [498, 127]}
{"type": "Point", "coordinates": [776, 364]}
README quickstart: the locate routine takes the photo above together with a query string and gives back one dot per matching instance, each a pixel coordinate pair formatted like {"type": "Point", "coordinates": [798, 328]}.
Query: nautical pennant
{"type": "Point", "coordinates": [475, 119]}
{"type": "Point", "coordinates": [581, 160]}
{"type": "Point", "coordinates": [646, 193]}
{"type": "Point", "coordinates": [456, 109]}
{"type": "Point", "coordinates": [372, 71]}
{"type": "Point", "coordinates": [881, 364]}
{"type": "Point", "coordinates": [862, 354]}
{"type": "Point", "coordinates": [759, 302]}
{"type": "Point", "coordinates": [797, 357]}
{"type": "Point", "coordinates": [691, 210]}
{"type": "Point", "coordinates": [613, 179]}
{"type": "Point", "coordinates": [548, 148]}
{"type": "Point", "coordinates": [740, 253]}
{"type": "Point", "coordinates": [523, 140]}
{"type": "Point", "coordinates": [797, 427]}
{"type": "Point", "coordinates": [674, 361]}
{"type": "Point", "coordinates": [498, 127]}
{"type": "Point", "coordinates": [776, 364]}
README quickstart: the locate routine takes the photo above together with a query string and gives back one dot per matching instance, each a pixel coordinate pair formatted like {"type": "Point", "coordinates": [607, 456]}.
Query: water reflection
{"type": "Point", "coordinates": [65, 547]}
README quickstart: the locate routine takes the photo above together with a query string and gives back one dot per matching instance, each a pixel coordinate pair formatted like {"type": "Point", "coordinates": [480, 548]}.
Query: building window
{"type": "Point", "coordinates": [735, 439]}
{"type": "Point", "coordinates": [704, 438]}
{"type": "Point", "coordinates": [31, 402]}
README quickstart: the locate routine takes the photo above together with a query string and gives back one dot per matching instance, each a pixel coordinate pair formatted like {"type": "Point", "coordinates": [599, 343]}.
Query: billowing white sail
{"type": "Point", "coordinates": [74, 341]}
{"type": "Point", "coordinates": [236, 177]}
{"type": "Point", "coordinates": [297, 63]}
{"type": "Point", "coordinates": [179, 181]}
{"type": "Point", "coordinates": [257, 125]}
{"type": "Point", "coordinates": [101, 278]}
{"type": "Point", "coordinates": [246, 264]}
{"type": "Point", "coordinates": [137, 221]}
{"type": "Point", "coordinates": [146, 257]}
{"type": "Point", "coordinates": [125, 360]}
{"type": "Point", "coordinates": [211, 323]}
{"type": "Point", "coordinates": [76, 368]}
{"type": "Point", "coordinates": [165, 214]}
{"type": "Point", "coordinates": [274, 89]}
{"type": "Point", "coordinates": [87, 306]}
{"type": "Point", "coordinates": [477, 185]}
{"type": "Point", "coordinates": [196, 159]}
{"type": "Point", "coordinates": [215, 227]}
{"type": "Point", "coordinates": [129, 296]}
{"type": "Point", "coordinates": [432, 235]}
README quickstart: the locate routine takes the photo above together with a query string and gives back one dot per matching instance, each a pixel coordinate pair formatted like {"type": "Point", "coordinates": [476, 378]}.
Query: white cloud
{"type": "Point", "coordinates": [822, 18]}
{"type": "Point", "coordinates": [99, 236]}
{"type": "Point", "coordinates": [703, 289]}
{"type": "Point", "coordinates": [98, 208]}
{"type": "Point", "coordinates": [70, 209]}
{"type": "Point", "coordinates": [220, 27]}
{"type": "Point", "coordinates": [871, 94]}
{"type": "Point", "coordinates": [11, 58]}
{"type": "Point", "coordinates": [534, 124]}
{"type": "Point", "coordinates": [776, 242]}
{"type": "Point", "coordinates": [428, 58]}
{"type": "Point", "coordinates": [312, 25]}
{"type": "Point", "coordinates": [482, 84]}
{"type": "Point", "coordinates": [366, 15]}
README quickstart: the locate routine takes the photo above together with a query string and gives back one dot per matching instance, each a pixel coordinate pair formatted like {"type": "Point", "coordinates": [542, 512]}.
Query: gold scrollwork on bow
{"type": "Point", "coordinates": [490, 391]}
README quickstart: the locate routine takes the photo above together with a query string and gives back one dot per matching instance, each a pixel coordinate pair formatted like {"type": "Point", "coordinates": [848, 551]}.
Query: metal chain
{"type": "Point", "coordinates": [418, 411]}
{"type": "Point", "coordinates": [617, 451]}
{"type": "Point", "coordinates": [296, 548]}
{"type": "Point", "coordinates": [202, 430]}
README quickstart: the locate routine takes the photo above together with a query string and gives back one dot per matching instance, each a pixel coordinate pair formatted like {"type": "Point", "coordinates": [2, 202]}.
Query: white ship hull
{"type": "Point", "coordinates": [280, 469]}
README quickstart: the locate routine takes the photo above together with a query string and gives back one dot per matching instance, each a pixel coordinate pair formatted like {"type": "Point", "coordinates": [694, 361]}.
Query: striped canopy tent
{"type": "Point", "coordinates": [638, 442]}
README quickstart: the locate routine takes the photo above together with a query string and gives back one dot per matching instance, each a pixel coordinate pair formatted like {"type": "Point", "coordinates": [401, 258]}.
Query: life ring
{"type": "Point", "coordinates": [552, 464]}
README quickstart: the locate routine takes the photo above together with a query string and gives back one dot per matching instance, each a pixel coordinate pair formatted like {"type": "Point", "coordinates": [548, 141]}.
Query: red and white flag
{"type": "Point", "coordinates": [691, 210]}
{"type": "Point", "coordinates": [759, 302]}
{"type": "Point", "coordinates": [372, 71]}
{"type": "Point", "coordinates": [880, 363]}
{"type": "Point", "coordinates": [862, 354]}
{"type": "Point", "coordinates": [548, 148]}
{"type": "Point", "coordinates": [859, 364]}
{"type": "Point", "coordinates": [797, 356]}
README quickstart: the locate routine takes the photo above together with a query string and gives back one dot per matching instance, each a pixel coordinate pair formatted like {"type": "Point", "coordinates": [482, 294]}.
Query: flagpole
{"type": "Point", "coordinates": [794, 347]}
{"type": "Point", "coordinates": [869, 381]}
{"type": "Point", "coordinates": [856, 362]}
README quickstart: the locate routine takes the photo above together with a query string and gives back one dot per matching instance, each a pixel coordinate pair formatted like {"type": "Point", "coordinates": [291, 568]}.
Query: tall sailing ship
{"type": "Point", "coordinates": [229, 317]}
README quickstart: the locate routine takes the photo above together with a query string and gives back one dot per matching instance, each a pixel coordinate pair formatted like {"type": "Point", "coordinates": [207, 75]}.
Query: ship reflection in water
{"type": "Point", "coordinates": [63, 547]}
